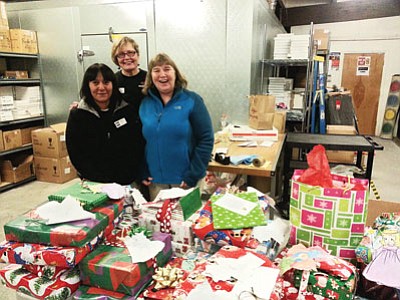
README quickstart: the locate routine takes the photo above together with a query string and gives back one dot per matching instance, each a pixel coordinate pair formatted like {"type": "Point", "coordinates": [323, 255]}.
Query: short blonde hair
{"type": "Point", "coordinates": [122, 42]}
{"type": "Point", "coordinates": [159, 60]}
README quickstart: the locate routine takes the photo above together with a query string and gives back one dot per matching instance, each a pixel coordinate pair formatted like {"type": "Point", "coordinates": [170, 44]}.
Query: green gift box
{"type": "Point", "coordinates": [111, 268]}
{"type": "Point", "coordinates": [82, 193]}
{"type": "Point", "coordinates": [94, 293]}
{"type": "Point", "coordinates": [328, 286]}
{"type": "Point", "coordinates": [29, 229]}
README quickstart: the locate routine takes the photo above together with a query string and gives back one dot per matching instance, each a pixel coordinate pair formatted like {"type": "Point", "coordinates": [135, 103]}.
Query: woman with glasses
{"type": "Point", "coordinates": [103, 136]}
{"type": "Point", "coordinates": [130, 78]}
{"type": "Point", "coordinates": [177, 129]}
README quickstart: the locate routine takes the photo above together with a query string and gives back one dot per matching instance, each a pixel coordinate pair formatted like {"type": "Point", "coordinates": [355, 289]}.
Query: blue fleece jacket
{"type": "Point", "coordinates": [179, 137]}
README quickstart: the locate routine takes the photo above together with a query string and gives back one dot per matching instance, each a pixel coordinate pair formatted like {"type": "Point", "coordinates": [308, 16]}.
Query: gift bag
{"type": "Point", "coordinates": [331, 214]}
{"type": "Point", "coordinates": [261, 111]}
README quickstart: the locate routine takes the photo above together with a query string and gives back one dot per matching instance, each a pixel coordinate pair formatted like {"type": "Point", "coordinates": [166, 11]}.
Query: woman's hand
{"type": "Point", "coordinates": [73, 105]}
{"type": "Point", "coordinates": [183, 185]}
{"type": "Point", "coordinates": [147, 181]}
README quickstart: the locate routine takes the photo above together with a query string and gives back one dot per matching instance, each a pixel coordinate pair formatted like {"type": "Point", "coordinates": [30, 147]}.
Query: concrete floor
{"type": "Point", "coordinates": [386, 177]}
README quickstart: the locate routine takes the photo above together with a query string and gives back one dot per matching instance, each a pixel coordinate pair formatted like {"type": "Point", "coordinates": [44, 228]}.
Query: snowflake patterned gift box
{"type": "Point", "coordinates": [333, 218]}
{"type": "Point", "coordinates": [29, 228]}
{"type": "Point", "coordinates": [14, 276]}
{"type": "Point", "coordinates": [111, 268]}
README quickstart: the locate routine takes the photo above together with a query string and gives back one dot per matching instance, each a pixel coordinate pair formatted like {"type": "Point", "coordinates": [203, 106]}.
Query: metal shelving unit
{"type": "Point", "coordinates": [31, 63]}
{"type": "Point", "coordinates": [278, 64]}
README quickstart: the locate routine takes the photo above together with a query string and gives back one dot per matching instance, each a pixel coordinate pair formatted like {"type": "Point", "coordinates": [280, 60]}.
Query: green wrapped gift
{"type": "Point", "coordinates": [85, 192]}
{"type": "Point", "coordinates": [111, 268]}
{"type": "Point", "coordinates": [328, 286]}
{"type": "Point", "coordinates": [29, 229]}
{"type": "Point", "coordinates": [94, 293]}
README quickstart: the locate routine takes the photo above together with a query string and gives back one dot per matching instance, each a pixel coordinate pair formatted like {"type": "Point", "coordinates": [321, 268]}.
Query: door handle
{"type": "Point", "coordinates": [83, 53]}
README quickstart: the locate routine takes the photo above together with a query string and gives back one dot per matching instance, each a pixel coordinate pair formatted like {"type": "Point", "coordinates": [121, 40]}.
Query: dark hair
{"type": "Point", "coordinates": [159, 60]}
{"type": "Point", "coordinates": [90, 75]}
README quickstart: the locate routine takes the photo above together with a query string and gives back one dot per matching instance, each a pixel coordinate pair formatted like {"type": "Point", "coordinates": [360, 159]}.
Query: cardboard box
{"type": "Point", "coordinates": [23, 41]}
{"type": "Point", "coordinates": [12, 139]}
{"type": "Point", "coordinates": [5, 40]}
{"type": "Point", "coordinates": [376, 207]}
{"type": "Point", "coordinates": [30, 93]}
{"type": "Point", "coordinates": [337, 156]}
{"type": "Point", "coordinates": [280, 120]}
{"type": "Point", "coordinates": [26, 134]}
{"type": "Point", "coordinates": [1, 141]}
{"type": "Point", "coordinates": [16, 74]}
{"type": "Point", "coordinates": [50, 141]}
{"type": "Point", "coordinates": [3, 15]}
{"type": "Point", "coordinates": [321, 38]}
{"type": "Point", "coordinates": [17, 169]}
{"type": "Point", "coordinates": [57, 170]}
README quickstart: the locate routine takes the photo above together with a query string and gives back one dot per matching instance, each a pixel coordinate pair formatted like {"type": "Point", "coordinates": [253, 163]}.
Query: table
{"type": "Point", "coordinates": [306, 141]}
{"type": "Point", "coordinates": [272, 156]}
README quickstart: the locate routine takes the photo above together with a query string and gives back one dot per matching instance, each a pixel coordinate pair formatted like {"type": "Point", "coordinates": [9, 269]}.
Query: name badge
{"type": "Point", "coordinates": [121, 90]}
{"type": "Point", "coordinates": [121, 122]}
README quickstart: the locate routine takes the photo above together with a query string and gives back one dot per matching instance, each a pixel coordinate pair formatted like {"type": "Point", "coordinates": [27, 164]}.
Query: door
{"type": "Point", "coordinates": [362, 75]}
{"type": "Point", "coordinates": [99, 45]}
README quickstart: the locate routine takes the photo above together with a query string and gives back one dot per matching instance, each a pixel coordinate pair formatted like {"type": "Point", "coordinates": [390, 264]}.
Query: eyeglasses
{"type": "Point", "coordinates": [128, 53]}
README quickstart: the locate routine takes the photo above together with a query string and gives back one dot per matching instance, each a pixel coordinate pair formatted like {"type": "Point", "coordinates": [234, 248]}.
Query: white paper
{"type": "Point", "coordinates": [261, 281]}
{"type": "Point", "coordinates": [141, 248]}
{"type": "Point", "coordinates": [248, 144]}
{"type": "Point", "coordinates": [236, 204]}
{"type": "Point", "coordinates": [61, 212]}
{"type": "Point", "coordinates": [228, 268]}
{"type": "Point", "coordinates": [172, 193]}
{"type": "Point", "coordinates": [113, 190]}
{"type": "Point", "coordinates": [266, 144]}
{"type": "Point", "coordinates": [204, 291]}
{"type": "Point", "coordinates": [278, 229]}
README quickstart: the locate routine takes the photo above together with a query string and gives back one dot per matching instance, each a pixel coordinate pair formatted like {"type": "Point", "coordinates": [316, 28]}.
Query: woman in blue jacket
{"type": "Point", "coordinates": [177, 128]}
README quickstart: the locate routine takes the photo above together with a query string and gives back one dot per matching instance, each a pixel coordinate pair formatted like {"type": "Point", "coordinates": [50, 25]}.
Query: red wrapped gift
{"type": "Point", "coordinates": [37, 254]}
{"type": "Point", "coordinates": [49, 272]}
{"type": "Point", "coordinates": [16, 277]}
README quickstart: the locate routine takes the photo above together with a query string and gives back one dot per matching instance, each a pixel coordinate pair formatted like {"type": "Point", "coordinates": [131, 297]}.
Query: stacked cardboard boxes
{"type": "Point", "coordinates": [52, 163]}
{"type": "Point", "coordinates": [15, 40]}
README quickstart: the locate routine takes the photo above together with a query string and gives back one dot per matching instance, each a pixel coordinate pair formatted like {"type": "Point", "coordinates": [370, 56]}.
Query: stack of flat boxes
{"type": "Point", "coordinates": [51, 160]}
{"type": "Point", "coordinates": [27, 103]}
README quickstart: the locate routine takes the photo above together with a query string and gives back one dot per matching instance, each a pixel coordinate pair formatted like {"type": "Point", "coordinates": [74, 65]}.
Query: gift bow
{"type": "Point", "coordinates": [167, 277]}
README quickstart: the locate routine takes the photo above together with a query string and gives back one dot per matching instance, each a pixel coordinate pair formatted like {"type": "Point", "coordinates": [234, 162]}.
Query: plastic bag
{"type": "Point", "coordinates": [318, 172]}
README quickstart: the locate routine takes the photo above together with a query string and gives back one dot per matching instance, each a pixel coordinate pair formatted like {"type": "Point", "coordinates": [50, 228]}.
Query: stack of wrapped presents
{"type": "Point", "coordinates": [86, 244]}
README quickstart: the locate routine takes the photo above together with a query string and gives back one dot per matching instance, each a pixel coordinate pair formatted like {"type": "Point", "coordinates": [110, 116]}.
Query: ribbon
{"type": "Point", "coordinates": [167, 277]}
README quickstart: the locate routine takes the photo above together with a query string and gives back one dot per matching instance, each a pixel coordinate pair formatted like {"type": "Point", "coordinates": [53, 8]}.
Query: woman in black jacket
{"type": "Point", "coordinates": [103, 136]}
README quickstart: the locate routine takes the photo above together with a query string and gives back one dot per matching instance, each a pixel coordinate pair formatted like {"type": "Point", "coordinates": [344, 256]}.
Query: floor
{"type": "Point", "coordinates": [385, 176]}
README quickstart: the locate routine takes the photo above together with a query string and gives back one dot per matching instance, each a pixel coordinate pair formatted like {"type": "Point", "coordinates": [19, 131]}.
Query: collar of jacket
{"type": "Point", "coordinates": [153, 93]}
{"type": "Point", "coordinates": [83, 105]}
